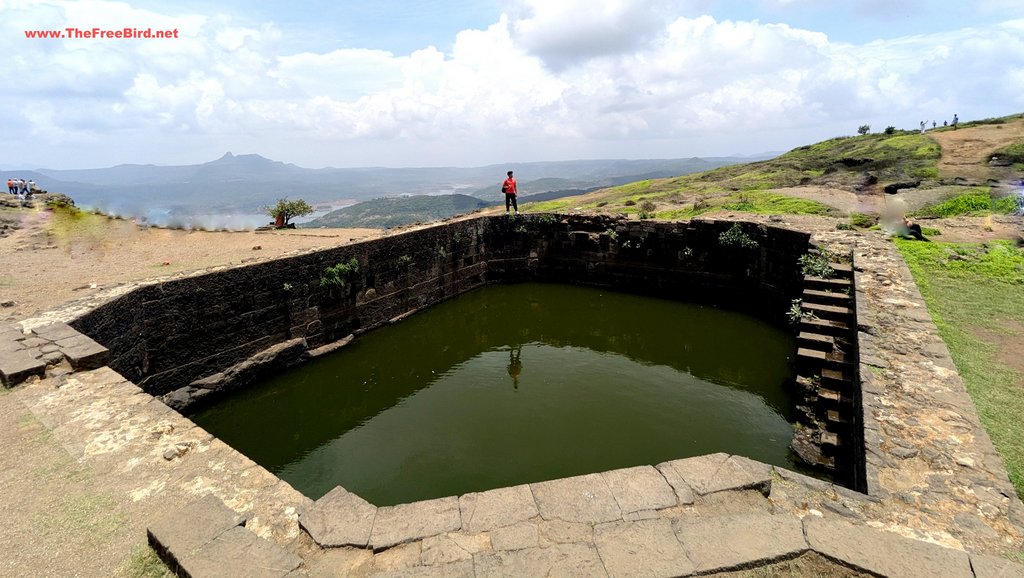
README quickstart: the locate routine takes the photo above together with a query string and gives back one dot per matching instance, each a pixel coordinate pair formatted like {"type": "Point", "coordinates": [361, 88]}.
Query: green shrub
{"type": "Point", "coordinates": [647, 209]}
{"type": "Point", "coordinates": [341, 275]}
{"type": "Point", "coordinates": [735, 237]}
{"type": "Point", "coordinates": [818, 264]}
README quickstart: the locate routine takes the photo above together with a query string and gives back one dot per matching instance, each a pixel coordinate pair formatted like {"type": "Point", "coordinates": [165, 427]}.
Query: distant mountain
{"type": "Point", "coordinates": [244, 183]}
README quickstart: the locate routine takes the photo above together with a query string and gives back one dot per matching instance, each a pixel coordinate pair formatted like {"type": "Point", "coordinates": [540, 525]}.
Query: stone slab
{"type": "Point", "coordinates": [483, 511]}
{"type": "Point", "coordinates": [639, 489]}
{"type": "Point", "coordinates": [882, 552]}
{"type": "Point", "coordinates": [644, 548]}
{"type": "Point", "coordinates": [17, 366]}
{"type": "Point", "coordinates": [716, 473]}
{"type": "Point", "coordinates": [239, 552]}
{"type": "Point", "coordinates": [517, 537]}
{"type": "Point", "coordinates": [563, 560]}
{"type": "Point", "coordinates": [461, 569]}
{"type": "Point", "coordinates": [732, 542]}
{"type": "Point", "coordinates": [585, 499]}
{"type": "Point", "coordinates": [56, 331]}
{"type": "Point", "coordinates": [187, 529]}
{"type": "Point", "coordinates": [407, 522]}
{"type": "Point", "coordinates": [339, 518]}
{"type": "Point", "coordinates": [86, 354]}
{"type": "Point", "coordinates": [992, 567]}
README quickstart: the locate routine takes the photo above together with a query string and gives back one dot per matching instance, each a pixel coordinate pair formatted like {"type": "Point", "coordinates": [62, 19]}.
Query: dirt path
{"type": "Point", "coordinates": [965, 151]}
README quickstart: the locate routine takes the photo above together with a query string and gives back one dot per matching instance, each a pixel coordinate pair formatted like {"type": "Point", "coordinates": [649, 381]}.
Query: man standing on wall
{"type": "Point", "coordinates": [509, 188]}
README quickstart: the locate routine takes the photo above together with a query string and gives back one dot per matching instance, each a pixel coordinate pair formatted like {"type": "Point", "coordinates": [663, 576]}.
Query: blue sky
{"type": "Point", "coordinates": [458, 82]}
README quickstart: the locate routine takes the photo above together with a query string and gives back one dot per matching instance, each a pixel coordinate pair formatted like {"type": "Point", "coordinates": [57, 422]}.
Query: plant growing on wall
{"type": "Point", "coordinates": [340, 276]}
{"type": "Point", "coordinates": [735, 237]}
{"type": "Point", "coordinates": [818, 264]}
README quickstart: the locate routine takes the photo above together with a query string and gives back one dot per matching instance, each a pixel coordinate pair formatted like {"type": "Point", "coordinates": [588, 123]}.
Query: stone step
{"type": "Point", "coordinates": [823, 284]}
{"type": "Point", "coordinates": [837, 420]}
{"type": "Point", "coordinates": [824, 327]}
{"type": "Point", "coordinates": [843, 271]}
{"type": "Point", "coordinates": [832, 399]}
{"type": "Point", "coordinates": [836, 379]}
{"type": "Point", "coordinates": [827, 297]}
{"type": "Point", "coordinates": [829, 443]}
{"type": "Point", "coordinates": [816, 341]}
{"type": "Point", "coordinates": [830, 312]}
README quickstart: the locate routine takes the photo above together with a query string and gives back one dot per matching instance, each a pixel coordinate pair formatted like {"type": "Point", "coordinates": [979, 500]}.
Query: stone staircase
{"type": "Point", "coordinates": [827, 370]}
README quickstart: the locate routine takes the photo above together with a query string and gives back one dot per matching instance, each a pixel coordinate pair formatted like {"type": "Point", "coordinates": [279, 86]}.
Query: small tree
{"type": "Point", "coordinates": [864, 129]}
{"type": "Point", "coordinates": [890, 130]}
{"type": "Point", "coordinates": [288, 209]}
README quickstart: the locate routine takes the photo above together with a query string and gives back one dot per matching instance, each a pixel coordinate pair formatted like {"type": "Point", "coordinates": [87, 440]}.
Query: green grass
{"type": "Point", "coordinates": [548, 206]}
{"type": "Point", "coordinates": [1013, 153]}
{"type": "Point", "coordinates": [758, 202]}
{"type": "Point", "coordinates": [973, 291]}
{"type": "Point", "coordinates": [144, 563]}
{"type": "Point", "coordinates": [977, 201]}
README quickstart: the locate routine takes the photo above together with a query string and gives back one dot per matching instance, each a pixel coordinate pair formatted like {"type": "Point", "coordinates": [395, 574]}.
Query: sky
{"type": "Point", "coordinates": [392, 83]}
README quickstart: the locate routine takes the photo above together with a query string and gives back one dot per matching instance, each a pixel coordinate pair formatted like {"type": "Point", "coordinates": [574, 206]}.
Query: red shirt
{"type": "Point", "coordinates": [509, 186]}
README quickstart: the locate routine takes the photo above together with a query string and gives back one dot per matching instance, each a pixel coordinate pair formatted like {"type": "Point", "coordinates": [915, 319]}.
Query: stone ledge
{"type": "Point", "coordinates": [339, 518]}
{"type": "Point", "coordinates": [17, 366]}
{"type": "Point", "coordinates": [734, 542]}
{"type": "Point", "coordinates": [205, 538]}
{"type": "Point", "coordinates": [883, 553]}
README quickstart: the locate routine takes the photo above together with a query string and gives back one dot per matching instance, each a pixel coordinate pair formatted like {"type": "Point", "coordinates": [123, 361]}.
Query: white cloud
{"type": "Point", "coordinates": [560, 78]}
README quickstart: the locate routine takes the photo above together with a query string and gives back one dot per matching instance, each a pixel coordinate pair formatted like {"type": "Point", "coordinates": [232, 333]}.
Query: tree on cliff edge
{"type": "Point", "coordinates": [285, 210]}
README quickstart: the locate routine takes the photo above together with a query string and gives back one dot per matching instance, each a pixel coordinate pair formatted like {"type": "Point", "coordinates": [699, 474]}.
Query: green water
{"type": "Point", "coordinates": [511, 384]}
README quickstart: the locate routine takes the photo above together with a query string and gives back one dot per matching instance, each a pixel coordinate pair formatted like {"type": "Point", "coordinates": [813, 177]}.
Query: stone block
{"type": "Point", "coordinates": [461, 569]}
{"type": "Point", "coordinates": [56, 331]}
{"type": "Point", "coordinates": [518, 537]}
{"type": "Point", "coordinates": [564, 560]}
{"type": "Point", "coordinates": [644, 548]}
{"type": "Point", "coordinates": [84, 353]}
{"type": "Point", "coordinates": [585, 499]}
{"type": "Point", "coordinates": [992, 567]}
{"type": "Point", "coordinates": [239, 552]}
{"type": "Point", "coordinates": [640, 488]}
{"type": "Point", "coordinates": [483, 511]}
{"type": "Point", "coordinates": [883, 553]}
{"type": "Point", "coordinates": [17, 366]}
{"type": "Point", "coordinates": [339, 518]}
{"type": "Point", "coordinates": [733, 542]}
{"type": "Point", "coordinates": [191, 527]}
{"type": "Point", "coordinates": [408, 522]}
{"type": "Point", "coordinates": [716, 473]}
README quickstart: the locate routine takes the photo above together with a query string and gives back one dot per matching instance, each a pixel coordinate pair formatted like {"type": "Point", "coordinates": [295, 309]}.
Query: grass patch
{"type": "Point", "coordinates": [977, 201]}
{"type": "Point", "coordinates": [971, 288]}
{"type": "Point", "coordinates": [144, 563]}
{"type": "Point", "coordinates": [773, 204]}
{"type": "Point", "coordinates": [1013, 153]}
{"type": "Point", "coordinates": [548, 206]}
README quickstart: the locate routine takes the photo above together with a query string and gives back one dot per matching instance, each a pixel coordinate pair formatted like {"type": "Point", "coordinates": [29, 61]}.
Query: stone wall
{"type": "Point", "coordinates": [167, 336]}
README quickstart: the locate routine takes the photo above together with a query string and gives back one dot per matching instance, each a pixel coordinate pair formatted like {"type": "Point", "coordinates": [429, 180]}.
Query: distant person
{"type": "Point", "coordinates": [934, 124]}
{"type": "Point", "coordinates": [912, 230]}
{"type": "Point", "coordinates": [955, 121]}
{"type": "Point", "coordinates": [509, 188]}
{"type": "Point", "coordinates": [923, 124]}
{"type": "Point", "coordinates": [945, 123]}
{"type": "Point", "coordinates": [10, 185]}
{"type": "Point", "coordinates": [30, 188]}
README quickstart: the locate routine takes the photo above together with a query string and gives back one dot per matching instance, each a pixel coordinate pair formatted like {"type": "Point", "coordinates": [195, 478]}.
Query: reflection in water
{"type": "Point", "coordinates": [422, 409]}
{"type": "Point", "coordinates": [515, 364]}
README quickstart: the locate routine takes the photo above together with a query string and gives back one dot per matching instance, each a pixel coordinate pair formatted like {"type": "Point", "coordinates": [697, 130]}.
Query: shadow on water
{"type": "Point", "coordinates": [518, 383]}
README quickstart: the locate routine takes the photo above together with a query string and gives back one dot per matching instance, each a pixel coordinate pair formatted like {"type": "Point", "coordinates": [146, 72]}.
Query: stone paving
{"type": "Point", "coordinates": [939, 501]}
